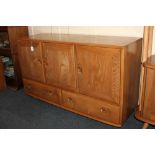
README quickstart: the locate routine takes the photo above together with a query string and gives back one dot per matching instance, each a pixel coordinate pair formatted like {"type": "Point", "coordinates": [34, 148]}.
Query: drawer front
{"type": "Point", "coordinates": [90, 106]}
{"type": "Point", "coordinates": [102, 110]}
{"type": "Point", "coordinates": [74, 101]}
{"type": "Point", "coordinates": [50, 94]}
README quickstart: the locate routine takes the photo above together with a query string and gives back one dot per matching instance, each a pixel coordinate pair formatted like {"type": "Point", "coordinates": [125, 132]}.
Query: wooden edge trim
{"type": "Point", "coordinates": [147, 51]}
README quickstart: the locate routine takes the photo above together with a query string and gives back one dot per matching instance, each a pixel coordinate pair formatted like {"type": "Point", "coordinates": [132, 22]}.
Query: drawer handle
{"type": "Point", "coordinates": [105, 110]}
{"type": "Point", "coordinates": [70, 100]}
{"type": "Point", "coordinates": [39, 61]}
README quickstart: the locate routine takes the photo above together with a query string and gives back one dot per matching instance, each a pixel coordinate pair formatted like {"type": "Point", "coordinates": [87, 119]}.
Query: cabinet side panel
{"type": "Point", "coordinates": [132, 63]}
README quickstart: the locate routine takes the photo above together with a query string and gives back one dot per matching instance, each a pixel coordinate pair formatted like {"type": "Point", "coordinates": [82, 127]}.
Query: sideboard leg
{"type": "Point", "coordinates": [146, 125]}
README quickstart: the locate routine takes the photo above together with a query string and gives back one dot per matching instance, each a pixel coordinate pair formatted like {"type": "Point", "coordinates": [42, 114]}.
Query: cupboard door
{"type": "Point", "coordinates": [30, 57]}
{"type": "Point", "coordinates": [149, 97]}
{"type": "Point", "coordinates": [99, 72]}
{"type": "Point", "coordinates": [59, 62]}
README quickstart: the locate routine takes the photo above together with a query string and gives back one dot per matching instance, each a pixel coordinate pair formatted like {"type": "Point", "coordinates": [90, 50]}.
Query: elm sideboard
{"type": "Point", "coordinates": [94, 76]}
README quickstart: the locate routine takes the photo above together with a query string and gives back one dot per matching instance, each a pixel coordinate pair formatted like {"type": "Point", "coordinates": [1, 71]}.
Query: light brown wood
{"type": "Point", "coordinates": [86, 39]}
{"type": "Point", "coordinates": [96, 79]}
{"type": "Point", "coordinates": [147, 51]}
{"type": "Point", "coordinates": [49, 93]}
{"type": "Point", "coordinates": [150, 63]}
{"type": "Point", "coordinates": [97, 108]}
{"type": "Point", "coordinates": [147, 111]}
{"type": "Point", "coordinates": [144, 111]}
{"type": "Point", "coordinates": [147, 42]}
{"type": "Point", "coordinates": [59, 65]}
{"type": "Point", "coordinates": [150, 43]}
{"type": "Point", "coordinates": [131, 58]}
{"type": "Point", "coordinates": [149, 97]}
{"type": "Point", "coordinates": [145, 126]}
{"type": "Point", "coordinates": [31, 61]}
{"type": "Point", "coordinates": [98, 71]}
{"type": "Point", "coordinates": [140, 117]}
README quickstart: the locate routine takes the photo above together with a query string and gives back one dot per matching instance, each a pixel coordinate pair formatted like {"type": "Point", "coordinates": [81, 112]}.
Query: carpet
{"type": "Point", "coordinates": [19, 111]}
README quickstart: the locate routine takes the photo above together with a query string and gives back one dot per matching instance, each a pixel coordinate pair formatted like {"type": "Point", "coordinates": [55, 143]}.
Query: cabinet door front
{"type": "Point", "coordinates": [59, 65]}
{"type": "Point", "coordinates": [149, 97]}
{"type": "Point", "coordinates": [30, 57]}
{"type": "Point", "coordinates": [99, 72]}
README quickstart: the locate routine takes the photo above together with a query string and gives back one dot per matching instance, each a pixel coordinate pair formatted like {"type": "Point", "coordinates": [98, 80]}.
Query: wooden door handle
{"type": "Point", "coordinates": [45, 62]}
{"type": "Point", "coordinates": [39, 61]}
{"type": "Point", "coordinates": [79, 68]}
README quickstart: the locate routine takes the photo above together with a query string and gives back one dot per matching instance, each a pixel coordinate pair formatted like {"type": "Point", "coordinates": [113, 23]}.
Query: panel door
{"type": "Point", "coordinates": [59, 63]}
{"type": "Point", "coordinates": [99, 72]}
{"type": "Point", "coordinates": [149, 97]}
{"type": "Point", "coordinates": [30, 57]}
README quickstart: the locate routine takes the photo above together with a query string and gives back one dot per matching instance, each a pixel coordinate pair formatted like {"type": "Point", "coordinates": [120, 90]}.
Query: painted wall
{"type": "Point", "coordinates": [136, 31]}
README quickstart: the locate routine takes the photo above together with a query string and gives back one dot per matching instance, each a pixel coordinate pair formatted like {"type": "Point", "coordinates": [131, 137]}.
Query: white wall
{"type": "Point", "coordinates": [136, 31]}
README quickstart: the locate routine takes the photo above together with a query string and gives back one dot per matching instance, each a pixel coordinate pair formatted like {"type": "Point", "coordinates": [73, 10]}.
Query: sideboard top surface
{"type": "Point", "coordinates": [86, 39]}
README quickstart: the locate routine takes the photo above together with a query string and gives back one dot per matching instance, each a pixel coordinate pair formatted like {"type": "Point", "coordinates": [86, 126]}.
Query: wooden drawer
{"type": "Point", "coordinates": [74, 101]}
{"type": "Point", "coordinates": [92, 107]}
{"type": "Point", "coordinates": [35, 89]}
{"type": "Point", "coordinates": [104, 111]}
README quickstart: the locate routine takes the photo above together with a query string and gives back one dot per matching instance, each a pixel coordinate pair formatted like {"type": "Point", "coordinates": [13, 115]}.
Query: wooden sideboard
{"type": "Point", "coordinates": [94, 76]}
{"type": "Point", "coordinates": [146, 111]}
